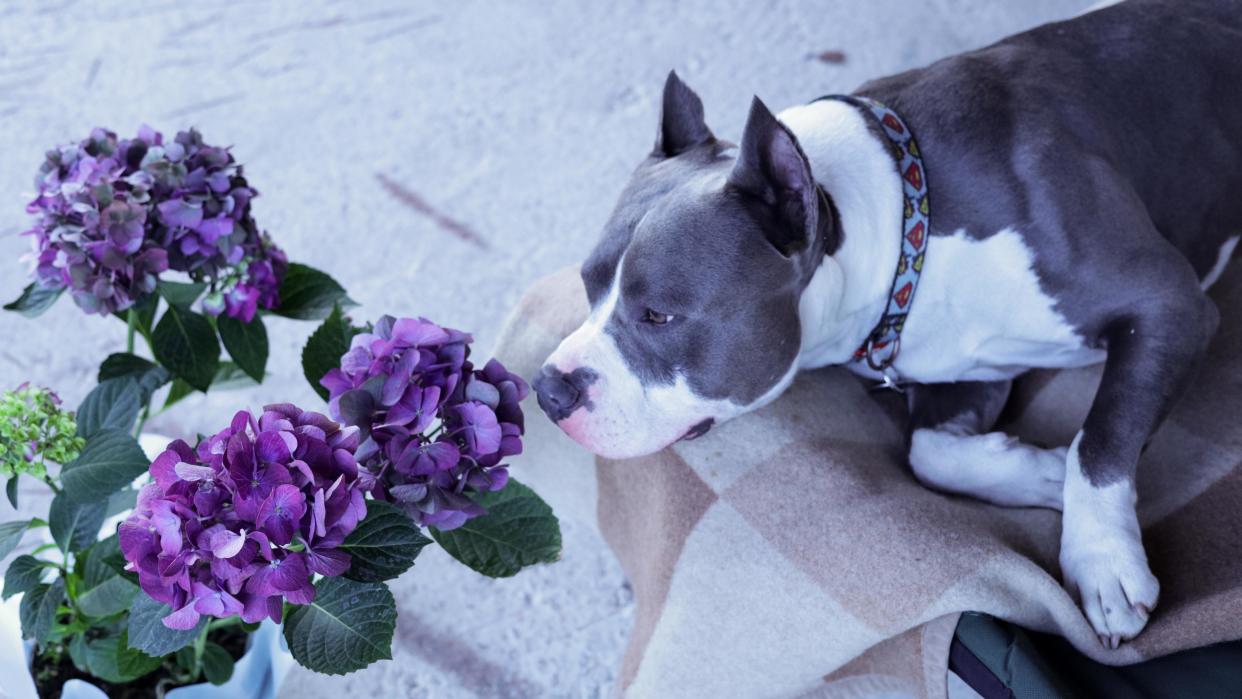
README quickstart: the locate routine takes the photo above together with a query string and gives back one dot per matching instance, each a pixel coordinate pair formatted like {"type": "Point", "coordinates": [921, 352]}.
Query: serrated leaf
{"type": "Point", "coordinates": [148, 634]}
{"type": "Point", "coordinates": [75, 525]}
{"type": "Point", "coordinates": [384, 544]}
{"type": "Point", "coordinates": [324, 348]}
{"type": "Point", "coordinates": [181, 294]}
{"type": "Point", "coordinates": [113, 404]}
{"type": "Point", "coordinates": [38, 609]}
{"type": "Point", "coordinates": [111, 659]}
{"type": "Point", "coordinates": [246, 343]}
{"type": "Point", "coordinates": [308, 294]}
{"type": "Point", "coordinates": [24, 573]}
{"type": "Point", "coordinates": [11, 534]}
{"type": "Point", "coordinates": [348, 626]}
{"type": "Point", "coordinates": [102, 591]}
{"type": "Point", "coordinates": [10, 491]}
{"type": "Point", "coordinates": [185, 343]}
{"type": "Point", "coordinates": [108, 462]}
{"type": "Point", "coordinates": [518, 530]}
{"type": "Point", "coordinates": [34, 300]}
{"type": "Point", "coordinates": [217, 663]}
{"type": "Point", "coordinates": [149, 375]}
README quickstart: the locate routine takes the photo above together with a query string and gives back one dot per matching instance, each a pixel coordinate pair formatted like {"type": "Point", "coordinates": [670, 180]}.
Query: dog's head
{"type": "Point", "coordinates": [694, 287]}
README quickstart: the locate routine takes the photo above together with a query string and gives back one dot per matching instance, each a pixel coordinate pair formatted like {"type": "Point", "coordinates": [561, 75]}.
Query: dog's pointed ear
{"type": "Point", "coordinates": [772, 169]}
{"type": "Point", "coordinates": [681, 119]}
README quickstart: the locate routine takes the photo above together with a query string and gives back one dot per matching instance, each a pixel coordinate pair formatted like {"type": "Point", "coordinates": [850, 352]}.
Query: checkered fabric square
{"type": "Point", "coordinates": [791, 552]}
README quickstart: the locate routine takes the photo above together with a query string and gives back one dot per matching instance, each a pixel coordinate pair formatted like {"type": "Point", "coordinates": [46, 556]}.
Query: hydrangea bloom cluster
{"type": "Point", "coordinates": [115, 214]}
{"type": "Point", "coordinates": [33, 430]}
{"type": "Point", "coordinates": [434, 427]}
{"type": "Point", "coordinates": [237, 525]}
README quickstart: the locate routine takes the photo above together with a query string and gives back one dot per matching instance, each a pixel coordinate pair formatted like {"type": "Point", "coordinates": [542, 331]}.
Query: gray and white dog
{"type": "Point", "coordinates": [1085, 180]}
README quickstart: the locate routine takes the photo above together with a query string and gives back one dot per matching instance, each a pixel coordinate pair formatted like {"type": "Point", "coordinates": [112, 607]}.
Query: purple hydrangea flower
{"type": "Point", "coordinates": [237, 525]}
{"type": "Point", "coordinates": [434, 428]}
{"type": "Point", "coordinates": [113, 215]}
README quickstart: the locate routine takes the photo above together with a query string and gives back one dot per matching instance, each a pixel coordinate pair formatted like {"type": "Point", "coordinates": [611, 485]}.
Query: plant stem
{"type": "Point", "coordinates": [200, 644]}
{"type": "Point", "coordinates": [48, 479]}
{"type": "Point", "coordinates": [142, 420]}
{"type": "Point", "coordinates": [131, 319]}
{"type": "Point", "coordinates": [223, 623]}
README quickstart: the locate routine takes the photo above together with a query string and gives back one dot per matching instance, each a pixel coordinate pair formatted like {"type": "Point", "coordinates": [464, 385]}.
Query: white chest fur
{"type": "Point", "coordinates": [979, 314]}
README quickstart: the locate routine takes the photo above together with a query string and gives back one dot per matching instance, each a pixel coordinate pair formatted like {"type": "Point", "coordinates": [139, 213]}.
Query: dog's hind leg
{"type": "Point", "coordinates": [951, 448]}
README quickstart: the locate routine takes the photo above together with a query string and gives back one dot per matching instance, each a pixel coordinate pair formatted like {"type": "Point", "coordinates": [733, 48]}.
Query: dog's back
{"type": "Point", "coordinates": [1150, 90]}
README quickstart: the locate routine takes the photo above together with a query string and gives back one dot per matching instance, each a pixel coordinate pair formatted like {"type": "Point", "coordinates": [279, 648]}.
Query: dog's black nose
{"type": "Point", "coordinates": [559, 393]}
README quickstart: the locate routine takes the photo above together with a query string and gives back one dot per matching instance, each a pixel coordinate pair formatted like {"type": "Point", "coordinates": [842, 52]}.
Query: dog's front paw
{"type": "Point", "coordinates": [1114, 586]}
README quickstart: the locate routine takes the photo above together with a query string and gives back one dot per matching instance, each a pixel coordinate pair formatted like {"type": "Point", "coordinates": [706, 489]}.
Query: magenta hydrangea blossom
{"type": "Point", "coordinates": [434, 427]}
{"type": "Point", "coordinates": [114, 214]}
{"type": "Point", "coordinates": [237, 525]}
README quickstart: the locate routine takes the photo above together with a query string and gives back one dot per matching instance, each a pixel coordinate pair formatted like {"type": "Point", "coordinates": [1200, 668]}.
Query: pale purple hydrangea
{"type": "Point", "coordinates": [434, 428]}
{"type": "Point", "coordinates": [115, 214]}
{"type": "Point", "coordinates": [237, 525]}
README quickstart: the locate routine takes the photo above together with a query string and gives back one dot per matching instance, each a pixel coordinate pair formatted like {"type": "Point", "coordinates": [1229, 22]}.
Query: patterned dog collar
{"type": "Point", "coordinates": [884, 342]}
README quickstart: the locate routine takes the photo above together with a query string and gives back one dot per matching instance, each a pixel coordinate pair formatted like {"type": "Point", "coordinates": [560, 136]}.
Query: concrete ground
{"type": "Point", "coordinates": [435, 158]}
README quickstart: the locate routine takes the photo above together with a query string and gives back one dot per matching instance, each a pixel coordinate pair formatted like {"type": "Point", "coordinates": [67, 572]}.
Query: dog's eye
{"type": "Point", "coordinates": [655, 317]}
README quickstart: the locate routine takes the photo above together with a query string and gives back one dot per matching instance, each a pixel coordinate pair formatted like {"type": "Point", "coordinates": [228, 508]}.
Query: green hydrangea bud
{"type": "Point", "coordinates": [33, 431]}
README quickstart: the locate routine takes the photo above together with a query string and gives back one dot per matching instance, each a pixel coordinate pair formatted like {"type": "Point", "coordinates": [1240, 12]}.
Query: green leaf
{"type": "Point", "coordinates": [384, 545]}
{"type": "Point", "coordinates": [181, 294]}
{"type": "Point", "coordinates": [10, 491]}
{"type": "Point", "coordinates": [308, 294]}
{"type": "Point", "coordinates": [348, 626]}
{"type": "Point", "coordinates": [324, 348]}
{"type": "Point", "coordinates": [102, 591]}
{"type": "Point", "coordinates": [34, 300]}
{"type": "Point", "coordinates": [38, 609]}
{"type": "Point", "coordinates": [121, 364]}
{"type": "Point", "coordinates": [113, 404]}
{"type": "Point", "coordinates": [177, 392]}
{"type": "Point", "coordinates": [148, 634]}
{"type": "Point", "coordinates": [25, 572]}
{"type": "Point", "coordinates": [185, 343]}
{"type": "Point", "coordinates": [11, 534]}
{"type": "Point", "coordinates": [108, 462]}
{"type": "Point", "coordinates": [75, 525]}
{"type": "Point", "coordinates": [77, 652]}
{"type": "Point", "coordinates": [230, 376]}
{"type": "Point", "coordinates": [246, 343]}
{"type": "Point", "coordinates": [111, 659]}
{"type": "Point", "coordinates": [121, 501]}
{"type": "Point", "coordinates": [518, 530]}
{"type": "Point", "coordinates": [217, 663]}
{"type": "Point", "coordinates": [149, 375]}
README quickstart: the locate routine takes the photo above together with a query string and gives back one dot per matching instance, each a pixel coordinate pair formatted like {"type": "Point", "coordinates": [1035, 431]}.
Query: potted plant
{"type": "Point", "coordinates": [285, 516]}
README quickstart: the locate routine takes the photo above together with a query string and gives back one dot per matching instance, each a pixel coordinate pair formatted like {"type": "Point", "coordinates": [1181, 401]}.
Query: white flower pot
{"type": "Point", "coordinates": [258, 674]}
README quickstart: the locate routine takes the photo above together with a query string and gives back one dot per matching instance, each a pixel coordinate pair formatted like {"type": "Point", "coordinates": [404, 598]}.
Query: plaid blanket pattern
{"type": "Point", "coordinates": [791, 552]}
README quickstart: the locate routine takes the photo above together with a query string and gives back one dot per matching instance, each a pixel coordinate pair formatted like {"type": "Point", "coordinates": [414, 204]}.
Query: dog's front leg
{"type": "Point", "coordinates": [1151, 356]}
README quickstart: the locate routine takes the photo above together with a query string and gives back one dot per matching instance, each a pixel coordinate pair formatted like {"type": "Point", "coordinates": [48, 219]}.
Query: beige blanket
{"type": "Point", "coordinates": [791, 552]}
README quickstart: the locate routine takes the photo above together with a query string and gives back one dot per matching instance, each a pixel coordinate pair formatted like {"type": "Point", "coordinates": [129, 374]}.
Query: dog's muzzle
{"type": "Point", "coordinates": [560, 394]}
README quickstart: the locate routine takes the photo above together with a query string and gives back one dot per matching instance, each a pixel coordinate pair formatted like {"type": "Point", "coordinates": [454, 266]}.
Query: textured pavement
{"type": "Point", "coordinates": [434, 158]}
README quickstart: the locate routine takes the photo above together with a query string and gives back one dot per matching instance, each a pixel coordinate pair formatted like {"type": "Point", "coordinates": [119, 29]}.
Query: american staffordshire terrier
{"type": "Point", "coordinates": [1078, 187]}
